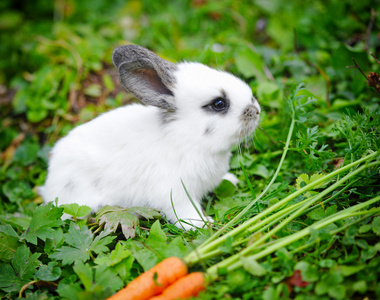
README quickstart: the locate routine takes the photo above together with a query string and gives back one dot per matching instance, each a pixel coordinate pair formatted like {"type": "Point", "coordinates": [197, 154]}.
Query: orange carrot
{"type": "Point", "coordinates": [185, 287]}
{"type": "Point", "coordinates": [154, 281]}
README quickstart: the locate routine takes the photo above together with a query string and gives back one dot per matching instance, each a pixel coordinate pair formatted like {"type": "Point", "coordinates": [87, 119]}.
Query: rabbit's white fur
{"type": "Point", "coordinates": [137, 155]}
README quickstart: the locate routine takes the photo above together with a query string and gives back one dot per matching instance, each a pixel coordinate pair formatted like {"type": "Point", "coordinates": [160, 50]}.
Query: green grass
{"type": "Point", "coordinates": [308, 196]}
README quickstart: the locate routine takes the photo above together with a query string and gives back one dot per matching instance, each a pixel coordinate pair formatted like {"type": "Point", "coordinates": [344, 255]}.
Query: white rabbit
{"type": "Point", "coordinates": [137, 155]}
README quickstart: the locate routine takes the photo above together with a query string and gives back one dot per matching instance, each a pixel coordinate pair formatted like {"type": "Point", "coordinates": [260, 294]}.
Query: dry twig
{"type": "Point", "coordinates": [373, 79]}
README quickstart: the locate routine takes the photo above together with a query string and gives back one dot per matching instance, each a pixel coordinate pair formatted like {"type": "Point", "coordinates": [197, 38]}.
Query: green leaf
{"type": "Point", "coordinates": [252, 266]}
{"type": "Point", "coordinates": [16, 191]}
{"type": "Point", "coordinates": [106, 278]}
{"type": "Point", "coordinates": [120, 260]}
{"type": "Point", "coordinates": [84, 273]}
{"type": "Point", "coordinates": [113, 216]}
{"type": "Point", "coordinates": [55, 241]}
{"type": "Point", "coordinates": [269, 94]}
{"type": "Point", "coordinates": [223, 206]}
{"type": "Point", "coordinates": [120, 253]}
{"type": "Point", "coordinates": [316, 177]}
{"type": "Point", "coordinates": [97, 279]}
{"type": "Point", "coordinates": [69, 291]}
{"type": "Point", "coordinates": [8, 246]}
{"type": "Point", "coordinates": [348, 270]}
{"type": "Point", "coordinates": [349, 236]}
{"type": "Point", "coordinates": [49, 272]}
{"type": "Point", "coordinates": [69, 255]}
{"type": "Point", "coordinates": [100, 242]}
{"type": "Point", "coordinates": [362, 243]}
{"type": "Point", "coordinates": [317, 214]}
{"type": "Point", "coordinates": [20, 222]}
{"type": "Point", "coordinates": [360, 286]}
{"type": "Point", "coordinates": [250, 64]}
{"type": "Point", "coordinates": [24, 262]}
{"type": "Point", "coordinates": [309, 272]}
{"type": "Point", "coordinates": [73, 209]}
{"type": "Point", "coordinates": [82, 243]}
{"type": "Point", "coordinates": [259, 170]}
{"type": "Point", "coordinates": [123, 269]}
{"type": "Point", "coordinates": [227, 246]}
{"type": "Point", "coordinates": [45, 218]}
{"type": "Point", "coordinates": [94, 90]}
{"type": "Point", "coordinates": [328, 282]}
{"type": "Point", "coordinates": [365, 228]}
{"type": "Point", "coordinates": [108, 83]}
{"type": "Point", "coordinates": [36, 115]}
{"type": "Point", "coordinates": [331, 210]}
{"type": "Point", "coordinates": [175, 248]}
{"type": "Point", "coordinates": [302, 181]}
{"type": "Point", "coordinates": [22, 269]}
{"type": "Point", "coordinates": [156, 235]}
{"type": "Point", "coordinates": [225, 189]}
{"type": "Point", "coordinates": [337, 292]}
{"type": "Point", "coordinates": [9, 281]}
{"type": "Point", "coordinates": [269, 294]}
{"type": "Point", "coordinates": [342, 103]}
{"type": "Point", "coordinates": [376, 225]}
{"type": "Point", "coordinates": [145, 212]}
{"type": "Point", "coordinates": [27, 152]}
{"type": "Point", "coordinates": [156, 248]}
{"type": "Point", "coordinates": [327, 263]}
{"type": "Point", "coordinates": [8, 230]}
{"type": "Point", "coordinates": [127, 221]}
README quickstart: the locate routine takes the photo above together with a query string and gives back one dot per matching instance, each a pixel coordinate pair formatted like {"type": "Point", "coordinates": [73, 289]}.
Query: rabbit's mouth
{"type": "Point", "coordinates": [248, 128]}
{"type": "Point", "coordinates": [250, 120]}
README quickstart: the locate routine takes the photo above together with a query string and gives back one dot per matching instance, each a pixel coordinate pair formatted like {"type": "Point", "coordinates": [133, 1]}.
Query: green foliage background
{"type": "Point", "coordinates": [56, 72]}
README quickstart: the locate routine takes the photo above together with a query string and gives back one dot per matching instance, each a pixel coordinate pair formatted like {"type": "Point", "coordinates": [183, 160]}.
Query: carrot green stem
{"type": "Point", "coordinates": [234, 261]}
{"type": "Point", "coordinates": [211, 244]}
{"type": "Point", "coordinates": [307, 204]}
{"type": "Point", "coordinates": [274, 219]}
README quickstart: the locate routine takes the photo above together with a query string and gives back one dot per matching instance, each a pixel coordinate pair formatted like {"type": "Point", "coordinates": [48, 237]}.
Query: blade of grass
{"type": "Point", "coordinates": [250, 188]}
{"type": "Point", "coordinates": [175, 213]}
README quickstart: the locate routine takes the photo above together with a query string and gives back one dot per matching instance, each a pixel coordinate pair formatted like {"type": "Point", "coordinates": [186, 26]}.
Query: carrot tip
{"type": "Point", "coordinates": [185, 287]}
{"type": "Point", "coordinates": [153, 281]}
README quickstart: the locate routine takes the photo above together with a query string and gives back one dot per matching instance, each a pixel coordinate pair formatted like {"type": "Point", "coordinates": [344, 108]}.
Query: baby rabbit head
{"type": "Point", "coordinates": [206, 107]}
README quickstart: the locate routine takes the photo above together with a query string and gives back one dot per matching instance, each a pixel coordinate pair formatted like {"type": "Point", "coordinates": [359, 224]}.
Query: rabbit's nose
{"type": "Point", "coordinates": [251, 111]}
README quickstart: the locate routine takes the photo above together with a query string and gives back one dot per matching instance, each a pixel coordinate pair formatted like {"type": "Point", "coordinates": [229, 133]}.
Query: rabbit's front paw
{"type": "Point", "coordinates": [231, 178]}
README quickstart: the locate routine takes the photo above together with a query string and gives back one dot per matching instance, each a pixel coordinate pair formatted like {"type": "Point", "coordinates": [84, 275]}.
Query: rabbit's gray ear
{"type": "Point", "coordinates": [147, 76]}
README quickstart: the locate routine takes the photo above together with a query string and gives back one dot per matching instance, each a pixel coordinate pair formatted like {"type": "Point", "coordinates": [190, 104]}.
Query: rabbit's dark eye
{"type": "Point", "coordinates": [219, 104]}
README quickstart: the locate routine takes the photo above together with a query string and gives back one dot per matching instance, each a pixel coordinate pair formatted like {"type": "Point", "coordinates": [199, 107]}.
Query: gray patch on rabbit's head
{"type": "Point", "coordinates": [209, 129]}
{"type": "Point", "coordinates": [150, 78]}
{"type": "Point", "coordinates": [96, 182]}
{"type": "Point", "coordinates": [70, 185]}
{"type": "Point", "coordinates": [168, 115]}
